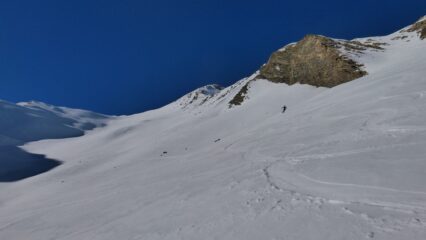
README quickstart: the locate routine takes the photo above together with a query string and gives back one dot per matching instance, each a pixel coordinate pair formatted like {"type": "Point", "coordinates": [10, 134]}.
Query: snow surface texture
{"type": "Point", "coordinates": [30, 121]}
{"type": "Point", "coordinates": [340, 163]}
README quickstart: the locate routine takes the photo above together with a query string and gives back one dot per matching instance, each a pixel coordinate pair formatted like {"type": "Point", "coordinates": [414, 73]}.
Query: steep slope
{"type": "Point", "coordinates": [30, 121]}
{"type": "Point", "coordinates": [325, 62]}
{"type": "Point", "coordinates": [419, 27]}
{"type": "Point", "coordinates": [341, 163]}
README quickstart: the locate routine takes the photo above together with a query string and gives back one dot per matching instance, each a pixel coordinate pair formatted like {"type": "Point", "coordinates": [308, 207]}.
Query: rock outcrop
{"type": "Point", "coordinates": [239, 98]}
{"type": "Point", "coordinates": [419, 27]}
{"type": "Point", "coordinates": [315, 60]}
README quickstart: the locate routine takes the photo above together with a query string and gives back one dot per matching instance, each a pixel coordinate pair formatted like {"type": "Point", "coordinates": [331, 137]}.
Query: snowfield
{"type": "Point", "coordinates": [342, 163]}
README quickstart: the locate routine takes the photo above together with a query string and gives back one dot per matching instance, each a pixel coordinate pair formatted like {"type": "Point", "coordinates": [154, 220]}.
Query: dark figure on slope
{"type": "Point", "coordinates": [284, 108]}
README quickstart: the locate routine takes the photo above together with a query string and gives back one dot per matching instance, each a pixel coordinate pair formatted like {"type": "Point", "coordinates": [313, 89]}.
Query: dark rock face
{"type": "Point", "coordinates": [419, 27]}
{"type": "Point", "coordinates": [315, 60]}
{"type": "Point", "coordinates": [239, 98]}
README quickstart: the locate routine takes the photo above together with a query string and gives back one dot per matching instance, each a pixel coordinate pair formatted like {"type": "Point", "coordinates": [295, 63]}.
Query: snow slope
{"type": "Point", "coordinates": [340, 163]}
{"type": "Point", "coordinates": [30, 121]}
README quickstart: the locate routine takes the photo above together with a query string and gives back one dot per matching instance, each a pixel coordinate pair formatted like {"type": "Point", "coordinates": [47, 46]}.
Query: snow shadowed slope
{"type": "Point", "coordinates": [24, 122]}
{"type": "Point", "coordinates": [341, 163]}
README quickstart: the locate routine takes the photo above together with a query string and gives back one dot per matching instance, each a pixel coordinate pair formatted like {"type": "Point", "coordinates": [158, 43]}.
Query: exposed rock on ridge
{"type": "Point", "coordinates": [419, 27]}
{"type": "Point", "coordinates": [315, 60]}
{"type": "Point", "coordinates": [239, 98]}
{"type": "Point", "coordinates": [323, 62]}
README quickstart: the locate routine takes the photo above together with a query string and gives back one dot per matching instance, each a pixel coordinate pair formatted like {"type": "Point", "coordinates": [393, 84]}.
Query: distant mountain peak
{"type": "Point", "coordinates": [210, 90]}
{"type": "Point", "coordinates": [199, 96]}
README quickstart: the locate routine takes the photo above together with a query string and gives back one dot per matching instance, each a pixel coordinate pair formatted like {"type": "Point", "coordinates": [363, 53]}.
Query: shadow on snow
{"type": "Point", "coordinates": [16, 164]}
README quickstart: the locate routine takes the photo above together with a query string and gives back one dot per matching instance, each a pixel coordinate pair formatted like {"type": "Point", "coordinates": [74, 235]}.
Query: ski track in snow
{"type": "Point", "coordinates": [359, 186]}
{"type": "Point", "coordinates": [298, 195]}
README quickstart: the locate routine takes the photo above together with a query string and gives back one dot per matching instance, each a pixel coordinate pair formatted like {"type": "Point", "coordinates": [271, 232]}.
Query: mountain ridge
{"type": "Point", "coordinates": [323, 69]}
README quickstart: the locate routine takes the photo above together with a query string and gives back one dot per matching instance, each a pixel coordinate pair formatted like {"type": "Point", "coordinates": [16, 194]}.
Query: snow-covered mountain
{"type": "Point", "coordinates": [30, 121]}
{"type": "Point", "coordinates": [199, 96]}
{"type": "Point", "coordinates": [346, 160]}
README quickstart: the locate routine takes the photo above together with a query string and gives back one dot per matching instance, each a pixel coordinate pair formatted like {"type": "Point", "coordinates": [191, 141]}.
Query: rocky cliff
{"type": "Point", "coordinates": [315, 60]}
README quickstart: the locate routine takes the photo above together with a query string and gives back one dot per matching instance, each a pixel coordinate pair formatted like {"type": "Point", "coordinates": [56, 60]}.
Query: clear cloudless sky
{"type": "Point", "coordinates": [128, 56]}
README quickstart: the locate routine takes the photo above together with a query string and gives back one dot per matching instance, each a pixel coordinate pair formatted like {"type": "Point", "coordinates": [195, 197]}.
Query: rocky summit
{"type": "Point", "coordinates": [325, 62]}
{"type": "Point", "coordinates": [315, 60]}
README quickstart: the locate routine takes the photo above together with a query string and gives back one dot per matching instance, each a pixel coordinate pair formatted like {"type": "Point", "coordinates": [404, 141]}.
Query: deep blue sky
{"type": "Point", "coordinates": [128, 56]}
